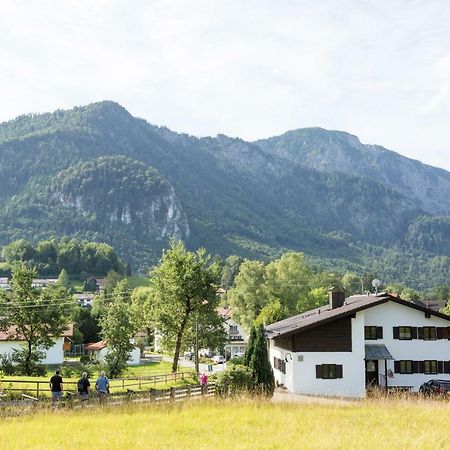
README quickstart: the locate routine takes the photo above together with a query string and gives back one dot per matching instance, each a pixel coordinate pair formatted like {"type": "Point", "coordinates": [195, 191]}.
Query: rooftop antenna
{"type": "Point", "coordinates": [376, 283]}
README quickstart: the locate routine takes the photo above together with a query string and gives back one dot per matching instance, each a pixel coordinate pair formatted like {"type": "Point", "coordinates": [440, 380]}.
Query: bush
{"type": "Point", "coordinates": [85, 359]}
{"type": "Point", "coordinates": [233, 380]}
{"type": "Point", "coordinates": [19, 363]}
{"type": "Point", "coordinates": [237, 361]}
{"type": "Point", "coordinates": [7, 365]}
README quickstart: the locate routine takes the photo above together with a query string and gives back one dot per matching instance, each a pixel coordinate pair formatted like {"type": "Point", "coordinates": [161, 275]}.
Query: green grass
{"type": "Point", "coordinates": [135, 282]}
{"type": "Point", "coordinates": [240, 424]}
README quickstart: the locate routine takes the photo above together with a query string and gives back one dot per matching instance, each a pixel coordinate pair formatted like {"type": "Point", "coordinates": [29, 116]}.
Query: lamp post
{"type": "Point", "coordinates": [197, 364]}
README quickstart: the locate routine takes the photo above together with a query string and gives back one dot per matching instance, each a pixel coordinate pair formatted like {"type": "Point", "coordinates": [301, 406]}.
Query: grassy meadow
{"type": "Point", "coordinates": [236, 424]}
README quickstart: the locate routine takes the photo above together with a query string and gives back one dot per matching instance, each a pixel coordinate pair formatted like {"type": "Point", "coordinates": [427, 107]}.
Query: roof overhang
{"type": "Point", "coordinates": [377, 352]}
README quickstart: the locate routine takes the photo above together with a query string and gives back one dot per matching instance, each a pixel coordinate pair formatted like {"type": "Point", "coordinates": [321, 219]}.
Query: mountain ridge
{"type": "Point", "coordinates": [297, 191]}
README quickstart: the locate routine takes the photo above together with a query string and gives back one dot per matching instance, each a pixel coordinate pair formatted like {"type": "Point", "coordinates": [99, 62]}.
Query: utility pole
{"type": "Point", "coordinates": [197, 365]}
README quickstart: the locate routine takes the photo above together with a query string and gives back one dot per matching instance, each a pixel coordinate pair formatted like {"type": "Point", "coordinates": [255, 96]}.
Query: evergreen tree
{"type": "Point", "coordinates": [262, 372]}
{"type": "Point", "coordinates": [250, 347]}
{"type": "Point", "coordinates": [63, 280]}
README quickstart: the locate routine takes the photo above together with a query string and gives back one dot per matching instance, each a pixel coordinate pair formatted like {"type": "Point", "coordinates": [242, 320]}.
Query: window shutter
{"type": "Point", "coordinates": [413, 332]}
{"type": "Point", "coordinates": [318, 371]}
{"type": "Point", "coordinates": [395, 332]}
{"type": "Point", "coordinates": [339, 371]}
{"type": "Point", "coordinates": [440, 367]}
{"type": "Point", "coordinates": [420, 333]}
{"type": "Point", "coordinates": [440, 332]}
{"type": "Point", "coordinates": [421, 367]}
{"type": "Point", "coordinates": [445, 332]}
{"type": "Point", "coordinates": [446, 366]}
{"type": "Point", "coordinates": [379, 332]}
{"type": "Point", "coordinates": [415, 366]}
{"type": "Point", "coordinates": [397, 366]}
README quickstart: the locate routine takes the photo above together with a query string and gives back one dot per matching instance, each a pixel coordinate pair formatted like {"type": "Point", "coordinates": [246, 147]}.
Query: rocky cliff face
{"type": "Point", "coordinates": [119, 192]}
{"type": "Point", "coordinates": [336, 151]}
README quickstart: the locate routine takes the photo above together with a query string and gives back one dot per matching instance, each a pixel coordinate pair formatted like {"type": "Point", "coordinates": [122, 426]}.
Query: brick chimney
{"type": "Point", "coordinates": [336, 297]}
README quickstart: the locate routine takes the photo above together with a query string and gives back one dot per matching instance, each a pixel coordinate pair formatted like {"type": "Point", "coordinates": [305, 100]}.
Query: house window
{"type": "Point", "coordinates": [372, 333]}
{"type": "Point", "coordinates": [430, 367]}
{"type": "Point", "coordinates": [279, 364]}
{"type": "Point", "coordinates": [429, 333]}
{"type": "Point", "coordinates": [406, 367]}
{"type": "Point", "coordinates": [404, 333]}
{"type": "Point", "coordinates": [329, 371]}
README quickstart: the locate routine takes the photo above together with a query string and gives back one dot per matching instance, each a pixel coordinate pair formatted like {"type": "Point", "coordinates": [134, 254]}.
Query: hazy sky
{"type": "Point", "coordinates": [378, 69]}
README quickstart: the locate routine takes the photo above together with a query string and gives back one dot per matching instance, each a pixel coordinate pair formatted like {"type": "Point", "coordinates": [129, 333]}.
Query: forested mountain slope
{"type": "Point", "coordinates": [99, 173]}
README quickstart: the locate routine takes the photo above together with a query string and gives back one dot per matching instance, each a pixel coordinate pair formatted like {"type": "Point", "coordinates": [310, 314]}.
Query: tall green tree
{"type": "Point", "coordinates": [250, 346]}
{"type": "Point", "coordinates": [35, 316]}
{"type": "Point", "coordinates": [64, 280]}
{"type": "Point", "coordinates": [119, 323]}
{"type": "Point", "coordinates": [262, 371]}
{"type": "Point", "coordinates": [183, 289]}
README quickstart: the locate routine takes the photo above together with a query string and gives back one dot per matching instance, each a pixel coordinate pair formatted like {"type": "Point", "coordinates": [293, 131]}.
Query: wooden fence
{"type": "Point", "coordinates": [155, 396]}
{"type": "Point", "coordinates": [41, 388]}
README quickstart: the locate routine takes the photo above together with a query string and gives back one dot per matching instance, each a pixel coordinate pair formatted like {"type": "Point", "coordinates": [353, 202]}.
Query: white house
{"type": "Point", "coordinates": [99, 350]}
{"type": "Point", "coordinates": [360, 342]}
{"type": "Point", "coordinates": [237, 337]}
{"type": "Point", "coordinates": [10, 340]}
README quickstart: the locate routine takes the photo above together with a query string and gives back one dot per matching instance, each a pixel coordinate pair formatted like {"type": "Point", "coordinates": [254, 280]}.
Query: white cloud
{"type": "Point", "coordinates": [378, 69]}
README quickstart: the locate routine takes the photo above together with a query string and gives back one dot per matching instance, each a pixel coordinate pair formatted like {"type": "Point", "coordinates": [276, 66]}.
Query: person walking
{"type": "Point", "coordinates": [84, 387]}
{"type": "Point", "coordinates": [56, 386]}
{"type": "Point", "coordinates": [204, 382]}
{"type": "Point", "coordinates": [102, 387]}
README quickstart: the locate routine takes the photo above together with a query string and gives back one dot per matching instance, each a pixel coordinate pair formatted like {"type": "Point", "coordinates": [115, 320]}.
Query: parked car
{"type": "Point", "coordinates": [238, 355]}
{"type": "Point", "coordinates": [435, 387]}
{"type": "Point", "coordinates": [188, 355]}
{"type": "Point", "coordinates": [218, 359]}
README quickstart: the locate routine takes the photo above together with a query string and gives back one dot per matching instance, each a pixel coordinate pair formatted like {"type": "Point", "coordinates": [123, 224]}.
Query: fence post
{"type": "Point", "coordinates": [37, 389]}
{"type": "Point", "coordinates": [123, 383]}
{"type": "Point", "coordinates": [172, 394]}
{"type": "Point", "coordinates": [165, 379]}
{"type": "Point", "coordinates": [140, 385]}
{"type": "Point", "coordinates": [188, 390]}
{"type": "Point", "coordinates": [175, 376]}
{"type": "Point", "coordinates": [152, 395]}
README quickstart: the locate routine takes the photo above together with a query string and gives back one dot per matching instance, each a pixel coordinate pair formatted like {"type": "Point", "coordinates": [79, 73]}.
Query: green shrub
{"type": "Point", "coordinates": [237, 361]}
{"type": "Point", "coordinates": [7, 364]}
{"type": "Point", "coordinates": [233, 380]}
{"type": "Point", "coordinates": [85, 359]}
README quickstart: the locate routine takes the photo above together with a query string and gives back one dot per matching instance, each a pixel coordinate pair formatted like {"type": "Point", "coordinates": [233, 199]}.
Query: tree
{"type": "Point", "coordinates": [249, 294]}
{"type": "Point", "coordinates": [119, 324]}
{"type": "Point", "coordinates": [250, 346]}
{"type": "Point", "coordinates": [271, 313]}
{"type": "Point", "coordinates": [183, 288]}
{"type": "Point", "coordinates": [262, 371]}
{"type": "Point", "coordinates": [63, 280]}
{"type": "Point", "coordinates": [111, 280]}
{"type": "Point", "coordinates": [87, 324]}
{"type": "Point", "coordinates": [36, 315]}
{"type": "Point", "coordinates": [229, 271]}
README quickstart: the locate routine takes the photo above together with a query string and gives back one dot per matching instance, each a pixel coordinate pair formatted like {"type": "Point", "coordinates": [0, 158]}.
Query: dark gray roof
{"type": "Point", "coordinates": [377, 351]}
{"type": "Point", "coordinates": [325, 314]}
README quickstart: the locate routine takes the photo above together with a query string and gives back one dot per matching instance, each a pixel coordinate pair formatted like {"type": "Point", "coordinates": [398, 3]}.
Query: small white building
{"type": "Point", "coordinates": [99, 350]}
{"type": "Point", "coordinates": [364, 341]}
{"type": "Point", "coordinates": [10, 340]}
{"type": "Point", "coordinates": [236, 336]}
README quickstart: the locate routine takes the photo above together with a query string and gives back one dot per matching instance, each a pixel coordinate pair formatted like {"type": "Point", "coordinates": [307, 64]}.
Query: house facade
{"type": "Point", "coordinates": [99, 350]}
{"type": "Point", "coordinates": [10, 341]}
{"type": "Point", "coordinates": [358, 343]}
{"type": "Point", "coordinates": [236, 336]}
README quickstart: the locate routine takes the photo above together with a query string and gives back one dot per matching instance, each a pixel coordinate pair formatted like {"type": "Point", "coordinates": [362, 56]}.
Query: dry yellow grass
{"type": "Point", "coordinates": [237, 424]}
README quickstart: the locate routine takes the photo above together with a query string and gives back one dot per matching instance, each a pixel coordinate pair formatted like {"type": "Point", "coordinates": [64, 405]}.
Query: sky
{"type": "Point", "coordinates": [251, 68]}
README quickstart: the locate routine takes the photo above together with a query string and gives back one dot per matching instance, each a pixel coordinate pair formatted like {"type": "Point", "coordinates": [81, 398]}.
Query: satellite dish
{"type": "Point", "coordinates": [376, 283]}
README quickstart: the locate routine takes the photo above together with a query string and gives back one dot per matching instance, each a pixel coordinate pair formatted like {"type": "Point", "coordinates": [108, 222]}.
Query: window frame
{"type": "Point", "coordinates": [400, 333]}
{"type": "Point", "coordinates": [426, 330]}
{"type": "Point", "coordinates": [373, 333]}
{"type": "Point", "coordinates": [329, 372]}
{"type": "Point", "coordinates": [403, 367]}
{"type": "Point", "coordinates": [430, 362]}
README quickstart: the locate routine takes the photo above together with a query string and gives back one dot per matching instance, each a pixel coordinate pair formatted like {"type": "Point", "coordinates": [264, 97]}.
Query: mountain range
{"type": "Point", "coordinates": [99, 173]}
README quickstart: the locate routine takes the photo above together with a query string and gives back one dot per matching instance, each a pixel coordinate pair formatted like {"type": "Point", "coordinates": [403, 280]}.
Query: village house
{"type": "Point", "coordinates": [10, 340]}
{"type": "Point", "coordinates": [236, 336]}
{"type": "Point", "coordinates": [97, 351]}
{"type": "Point", "coordinates": [359, 343]}
{"type": "Point", "coordinates": [85, 299]}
